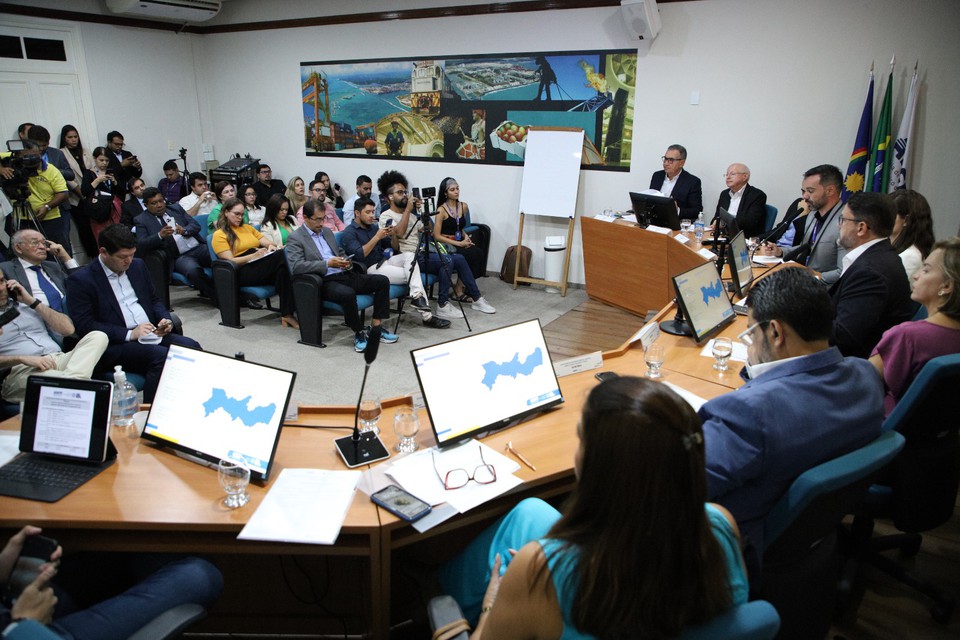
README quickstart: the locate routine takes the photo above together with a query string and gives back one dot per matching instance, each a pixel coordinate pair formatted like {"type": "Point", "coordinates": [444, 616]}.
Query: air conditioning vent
{"type": "Point", "coordinates": [170, 10]}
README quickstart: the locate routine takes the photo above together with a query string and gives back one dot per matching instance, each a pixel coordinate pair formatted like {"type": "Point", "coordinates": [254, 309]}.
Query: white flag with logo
{"type": "Point", "coordinates": [901, 147]}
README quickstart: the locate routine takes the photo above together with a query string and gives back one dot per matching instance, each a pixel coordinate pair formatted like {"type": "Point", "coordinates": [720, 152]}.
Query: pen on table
{"type": "Point", "coordinates": [519, 455]}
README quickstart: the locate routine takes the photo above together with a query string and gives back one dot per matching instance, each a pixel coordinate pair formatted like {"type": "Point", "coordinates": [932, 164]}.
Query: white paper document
{"type": "Point", "coordinates": [692, 399]}
{"type": "Point", "coordinates": [739, 351]}
{"type": "Point", "coordinates": [303, 505]}
{"type": "Point", "coordinates": [9, 446]}
{"type": "Point", "coordinates": [766, 260]}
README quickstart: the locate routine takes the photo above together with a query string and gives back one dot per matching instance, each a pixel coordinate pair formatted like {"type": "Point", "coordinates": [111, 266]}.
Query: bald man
{"type": "Point", "coordinates": [743, 200]}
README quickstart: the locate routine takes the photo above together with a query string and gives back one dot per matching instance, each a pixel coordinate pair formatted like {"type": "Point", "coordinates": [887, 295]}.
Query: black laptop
{"type": "Point", "coordinates": [64, 438]}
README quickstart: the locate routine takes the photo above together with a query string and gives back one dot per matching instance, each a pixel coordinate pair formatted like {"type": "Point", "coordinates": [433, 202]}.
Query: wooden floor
{"type": "Point", "coordinates": [888, 610]}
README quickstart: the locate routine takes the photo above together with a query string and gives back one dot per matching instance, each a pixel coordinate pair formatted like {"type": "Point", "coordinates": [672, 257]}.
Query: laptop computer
{"type": "Point", "coordinates": [64, 438]}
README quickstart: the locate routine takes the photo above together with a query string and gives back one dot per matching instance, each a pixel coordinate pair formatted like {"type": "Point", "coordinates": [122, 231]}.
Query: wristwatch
{"type": "Point", "coordinates": [35, 303]}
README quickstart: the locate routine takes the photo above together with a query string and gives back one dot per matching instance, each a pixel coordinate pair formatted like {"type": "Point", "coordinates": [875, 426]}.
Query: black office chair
{"type": "Point", "coordinates": [168, 625]}
{"type": "Point", "coordinates": [918, 491]}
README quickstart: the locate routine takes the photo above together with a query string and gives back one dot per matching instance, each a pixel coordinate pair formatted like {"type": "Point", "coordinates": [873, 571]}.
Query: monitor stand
{"type": "Point", "coordinates": [678, 326]}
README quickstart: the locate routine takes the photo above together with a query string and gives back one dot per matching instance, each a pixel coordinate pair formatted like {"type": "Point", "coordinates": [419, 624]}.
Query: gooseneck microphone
{"type": "Point", "coordinates": [363, 448]}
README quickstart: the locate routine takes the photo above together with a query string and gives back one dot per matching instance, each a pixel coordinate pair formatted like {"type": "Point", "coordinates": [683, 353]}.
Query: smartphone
{"type": "Point", "coordinates": [416, 192]}
{"type": "Point", "coordinates": [605, 375]}
{"type": "Point", "coordinates": [7, 316]}
{"type": "Point", "coordinates": [400, 503]}
{"type": "Point", "coordinates": [388, 223]}
{"type": "Point", "coordinates": [36, 551]}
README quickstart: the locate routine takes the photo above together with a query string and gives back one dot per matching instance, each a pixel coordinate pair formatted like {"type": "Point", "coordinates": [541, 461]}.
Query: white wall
{"type": "Point", "coordinates": [782, 86]}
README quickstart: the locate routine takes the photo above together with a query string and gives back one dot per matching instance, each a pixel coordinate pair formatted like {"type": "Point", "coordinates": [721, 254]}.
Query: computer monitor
{"type": "Point", "coordinates": [741, 271]}
{"type": "Point", "coordinates": [214, 407]}
{"type": "Point", "coordinates": [703, 301]}
{"type": "Point", "coordinates": [486, 381]}
{"type": "Point", "coordinates": [727, 222]}
{"type": "Point", "coordinates": [657, 210]}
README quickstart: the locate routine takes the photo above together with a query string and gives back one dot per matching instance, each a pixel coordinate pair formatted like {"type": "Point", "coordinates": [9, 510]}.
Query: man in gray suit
{"type": "Point", "coordinates": [41, 277]}
{"type": "Point", "coordinates": [819, 248]}
{"type": "Point", "coordinates": [313, 249]}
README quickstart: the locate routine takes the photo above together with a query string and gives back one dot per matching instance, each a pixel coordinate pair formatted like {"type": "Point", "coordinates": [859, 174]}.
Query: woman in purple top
{"type": "Point", "coordinates": [905, 348]}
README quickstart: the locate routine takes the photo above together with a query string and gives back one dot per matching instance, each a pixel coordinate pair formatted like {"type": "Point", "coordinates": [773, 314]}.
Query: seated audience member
{"type": "Point", "coordinates": [406, 236]}
{"type": "Point", "coordinates": [26, 345]}
{"type": "Point", "coordinates": [113, 294]}
{"type": "Point", "coordinates": [364, 190]}
{"type": "Point", "coordinates": [167, 227]}
{"type": "Point", "coordinates": [173, 185]}
{"type": "Point", "coordinates": [803, 403]}
{"type": "Point", "coordinates": [41, 277]}
{"type": "Point", "coordinates": [123, 164]}
{"type": "Point", "coordinates": [905, 348]}
{"type": "Point", "coordinates": [682, 186]}
{"type": "Point", "coordinates": [365, 242]}
{"type": "Point", "coordinates": [818, 246]}
{"type": "Point", "coordinates": [133, 206]}
{"type": "Point", "coordinates": [257, 258]}
{"type": "Point", "coordinates": [266, 186]}
{"type": "Point", "coordinates": [744, 200]}
{"type": "Point", "coordinates": [253, 213]}
{"type": "Point", "coordinates": [47, 191]}
{"type": "Point", "coordinates": [601, 569]}
{"type": "Point", "coordinates": [330, 218]}
{"type": "Point", "coordinates": [278, 222]}
{"type": "Point", "coordinates": [224, 191]}
{"type": "Point", "coordinates": [332, 194]}
{"type": "Point", "coordinates": [296, 193]}
{"type": "Point", "coordinates": [448, 229]}
{"type": "Point", "coordinates": [78, 158]}
{"type": "Point", "coordinates": [912, 235]}
{"type": "Point", "coordinates": [311, 248]}
{"type": "Point", "coordinates": [873, 294]}
{"type": "Point", "coordinates": [200, 200]}
{"type": "Point", "coordinates": [180, 581]}
{"type": "Point", "coordinates": [102, 200]}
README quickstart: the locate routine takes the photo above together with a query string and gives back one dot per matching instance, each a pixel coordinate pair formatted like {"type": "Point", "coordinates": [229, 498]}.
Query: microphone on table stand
{"type": "Point", "coordinates": [363, 448]}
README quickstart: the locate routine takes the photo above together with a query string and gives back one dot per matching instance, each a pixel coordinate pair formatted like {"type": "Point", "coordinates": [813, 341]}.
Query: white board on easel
{"type": "Point", "coordinates": [551, 172]}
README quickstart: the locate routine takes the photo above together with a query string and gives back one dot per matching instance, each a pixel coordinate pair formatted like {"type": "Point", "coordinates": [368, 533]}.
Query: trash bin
{"type": "Point", "coordinates": [554, 248]}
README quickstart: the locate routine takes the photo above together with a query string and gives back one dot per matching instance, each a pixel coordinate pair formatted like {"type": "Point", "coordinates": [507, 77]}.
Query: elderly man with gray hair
{"type": "Point", "coordinates": [744, 200]}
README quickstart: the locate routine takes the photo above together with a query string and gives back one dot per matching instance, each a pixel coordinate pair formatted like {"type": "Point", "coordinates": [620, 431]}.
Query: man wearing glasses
{"type": "Point", "coordinates": [123, 165]}
{"type": "Point", "coordinates": [803, 403]}
{"type": "Point", "coordinates": [873, 294]}
{"type": "Point", "coordinates": [744, 200]}
{"type": "Point", "coordinates": [266, 186]}
{"type": "Point", "coordinates": [674, 182]}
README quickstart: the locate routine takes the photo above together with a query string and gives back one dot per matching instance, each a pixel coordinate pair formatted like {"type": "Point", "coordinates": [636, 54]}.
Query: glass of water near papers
{"type": "Point", "coordinates": [370, 411]}
{"type": "Point", "coordinates": [406, 425]}
{"type": "Point", "coordinates": [653, 356]}
{"type": "Point", "coordinates": [722, 350]}
{"type": "Point", "coordinates": [234, 478]}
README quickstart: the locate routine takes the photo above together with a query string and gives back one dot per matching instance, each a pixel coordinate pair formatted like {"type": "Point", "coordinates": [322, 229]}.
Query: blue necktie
{"type": "Point", "coordinates": [54, 300]}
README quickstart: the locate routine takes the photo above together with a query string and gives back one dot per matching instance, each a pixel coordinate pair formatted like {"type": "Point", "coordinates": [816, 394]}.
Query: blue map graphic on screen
{"type": "Point", "coordinates": [744, 256]}
{"type": "Point", "coordinates": [513, 368]}
{"type": "Point", "coordinates": [713, 291]}
{"type": "Point", "coordinates": [239, 409]}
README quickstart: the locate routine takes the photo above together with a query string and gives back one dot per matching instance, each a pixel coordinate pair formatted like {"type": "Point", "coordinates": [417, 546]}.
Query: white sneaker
{"type": "Point", "coordinates": [483, 306]}
{"type": "Point", "coordinates": [448, 311]}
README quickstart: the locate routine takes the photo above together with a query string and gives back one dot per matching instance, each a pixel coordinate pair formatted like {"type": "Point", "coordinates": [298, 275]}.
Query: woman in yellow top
{"type": "Point", "coordinates": [257, 258]}
{"type": "Point", "coordinates": [278, 222]}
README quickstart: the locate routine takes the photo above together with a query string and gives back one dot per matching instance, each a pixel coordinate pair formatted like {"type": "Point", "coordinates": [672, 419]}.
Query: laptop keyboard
{"type": "Point", "coordinates": [47, 473]}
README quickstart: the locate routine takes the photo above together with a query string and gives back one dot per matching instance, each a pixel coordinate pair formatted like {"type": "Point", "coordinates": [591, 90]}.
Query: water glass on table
{"type": "Point", "coordinates": [370, 411]}
{"type": "Point", "coordinates": [653, 356]}
{"type": "Point", "coordinates": [234, 478]}
{"type": "Point", "coordinates": [406, 425]}
{"type": "Point", "coordinates": [722, 350]}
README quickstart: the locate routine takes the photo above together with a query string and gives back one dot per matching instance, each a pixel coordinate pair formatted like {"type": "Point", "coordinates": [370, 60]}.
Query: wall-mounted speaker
{"type": "Point", "coordinates": [641, 18]}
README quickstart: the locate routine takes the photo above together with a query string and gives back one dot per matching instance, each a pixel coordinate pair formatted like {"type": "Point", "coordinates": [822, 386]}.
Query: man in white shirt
{"type": "Point", "coordinates": [200, 200]}
{"type": "Point", "coordinates": [364, 190]}
{"type": "Point", "coordinates": [744, 200]}
{"type": "Point", "coordinates": [32, 267]}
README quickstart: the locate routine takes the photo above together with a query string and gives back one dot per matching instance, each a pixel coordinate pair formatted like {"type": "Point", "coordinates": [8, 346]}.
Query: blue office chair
{"type": "Point", "coordinates": [226, 282]}
{"type": "Point", "coordinates": [158, 268]}
{"type": "Point", "coordinates": [919, 489]}
{"type": "Point", "coordinates": [169, 624]}
{"type": "Point", "coordinates": [801, 562]}
{"type": "Point", "coordinates": [770, 219]}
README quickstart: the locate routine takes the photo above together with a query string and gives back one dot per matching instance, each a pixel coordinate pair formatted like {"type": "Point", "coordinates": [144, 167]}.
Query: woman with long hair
{"type": "Point", "coordinates": [912, 235]}
{"type": "Point", "coordinates": [331, 193]}
{"type": "Point", "coordinates": [296, 193]}
{"type": "Point", "coordinates": [78, 159]}
{"type": "Point", "coordinates": [448, 228]}
{"type": "Point", "coordinates": [278, 221]}
{"type": "Point", "coordinates": [100, 206]}
{"type": "Point", "coordinates": [906, 347]}
{"type": "Point", "coordinates": [257, 258]}
{"type": "Point", "coordinates": [636, 552]}
{"type": "Point", "coordinates": [253, 214]}
{"type": "Point", "coordinates": [224, 191]}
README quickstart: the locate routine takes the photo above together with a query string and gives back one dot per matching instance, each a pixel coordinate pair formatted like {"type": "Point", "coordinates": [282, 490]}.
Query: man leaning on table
{"type": "Point", "coordinates": [682, 186]}
{"type": "Point", "coordinates": [803, 402]}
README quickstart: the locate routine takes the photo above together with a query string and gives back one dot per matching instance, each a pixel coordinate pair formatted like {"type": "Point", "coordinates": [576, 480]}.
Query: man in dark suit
{"type": "Point", "coordinates": [113, 294]}
{"type": "Point", "coordinates": [123, 164]}
{"type": "Point", "coordinates": [133, 206]}
{"type": "Point", "coordinates": [34, 268]}
{"type": "Point", "coordinates": [167, 227]}
{"type": "Point", "coordinates": [744, 200]}
{"type": "Point", "coordinates": [873, 293]}
{"type": "Point", "coordinates": [673, 181]}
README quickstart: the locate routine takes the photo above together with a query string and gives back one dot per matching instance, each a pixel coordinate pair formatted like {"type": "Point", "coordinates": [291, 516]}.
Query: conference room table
{"type": "Point", "coordinates": [151, 500]}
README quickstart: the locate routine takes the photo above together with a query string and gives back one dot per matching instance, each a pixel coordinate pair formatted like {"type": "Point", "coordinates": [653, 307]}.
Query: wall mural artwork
{"type": "Point", "coordinates": [470, 108]}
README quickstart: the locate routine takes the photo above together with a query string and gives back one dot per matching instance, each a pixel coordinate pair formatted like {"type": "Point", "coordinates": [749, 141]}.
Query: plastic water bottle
{"type": "Point", "coordinates": [698, 228]}
{"type": "Point", "coordinates": [124, 399]}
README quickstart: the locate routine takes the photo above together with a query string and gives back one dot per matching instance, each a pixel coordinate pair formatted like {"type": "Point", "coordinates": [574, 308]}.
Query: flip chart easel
{"type": "Point", "coordinates": [551, 179]}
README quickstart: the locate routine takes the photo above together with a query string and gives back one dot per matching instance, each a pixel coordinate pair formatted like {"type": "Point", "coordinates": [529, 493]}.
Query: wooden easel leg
{"type": "Point", "coordinates": [516, 264]}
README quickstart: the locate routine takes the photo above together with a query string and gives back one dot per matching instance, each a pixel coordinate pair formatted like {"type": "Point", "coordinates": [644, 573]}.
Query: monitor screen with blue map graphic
{"type": "Point", "coordinates": [740, 268]}
{"type": "Point", "coordinates": [701, 295]}
{"type": "Point", "coordinates": [214, 407]}
{"type": "Point", "coordinates": [486, 381]}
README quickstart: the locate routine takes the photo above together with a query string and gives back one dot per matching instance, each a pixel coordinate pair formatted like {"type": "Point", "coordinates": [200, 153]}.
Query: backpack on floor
{"type": "Point", "coordinates": [510, 261]}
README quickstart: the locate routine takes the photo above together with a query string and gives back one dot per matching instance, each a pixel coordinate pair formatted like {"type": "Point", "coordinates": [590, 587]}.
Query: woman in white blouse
{"type": "Point", "coordinates": [78, 159]}
{"type": "Point", "coordinates": [912, 235]}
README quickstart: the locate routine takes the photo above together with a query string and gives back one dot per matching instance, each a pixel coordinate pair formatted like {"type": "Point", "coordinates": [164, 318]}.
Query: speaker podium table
{"type": "Point", "coordinates": [631, 268]}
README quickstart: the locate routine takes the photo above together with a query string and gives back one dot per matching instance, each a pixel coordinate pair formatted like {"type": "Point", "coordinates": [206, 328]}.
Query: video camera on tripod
{"type": "Point", "coordinates": [23, 167]}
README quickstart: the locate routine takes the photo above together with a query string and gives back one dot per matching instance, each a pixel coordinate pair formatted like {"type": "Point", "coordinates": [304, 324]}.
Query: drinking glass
{"type": "Point", "coordinates": [234, 478]}
{"type": "Point", "coordinates": [722, 350]}
{"type": "Point", "coordinates": [654, 359]}
{"type": "Point", "coordinates": [406, 425]}
{"type": "Point", "coordinates": [370, 411]}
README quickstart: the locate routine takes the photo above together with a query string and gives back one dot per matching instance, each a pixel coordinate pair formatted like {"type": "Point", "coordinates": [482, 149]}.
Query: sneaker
{"type": "Point", "coordinates": [449, 311]}
{"type": "Point", "coordinates": [436, 323]}
{"type": "Point", "coordinates": [481, 305]}
{"type": "Point", "coordinates": [387, 337]}
{"type": "Point", "coordinates": [420, 304]}
{"type": "Point", "coordinates": [360, 341]}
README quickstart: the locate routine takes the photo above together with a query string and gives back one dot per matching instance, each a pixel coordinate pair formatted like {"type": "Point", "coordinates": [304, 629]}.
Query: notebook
{"type": "Point", "coordinates": [64, 438]}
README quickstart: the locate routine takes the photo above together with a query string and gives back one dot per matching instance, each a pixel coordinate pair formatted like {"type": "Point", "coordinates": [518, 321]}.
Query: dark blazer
{"type": "Point", "coordinates": [752, 213]}
{"type": "Point", "coordinates": [303, 255]}
{"type": "Point", "coordinates": [57, 159]}
{"type": "Point", "coordinates": [14, 269]}
{"type": "Point", "coordinates": [148, 230]}
{"type": "Point", "coordinates": [129, 211]}
{"type": "Point", "coordinates": [264, 192]}
{"type": "Point", "coordinates": [121, 173]}
{"type": "Point", "coordinates": [791, 217]}
{"type": "Point", "coordinates": [687, 193]}
{"type": "Point", "coordinates": [94, 307]}
{"type": "Point", "coordinates": [871, 296]}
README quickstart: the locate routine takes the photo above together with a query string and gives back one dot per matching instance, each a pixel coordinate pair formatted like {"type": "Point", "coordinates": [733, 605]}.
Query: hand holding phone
{"type": "Point", "coordinates": [36, 553]}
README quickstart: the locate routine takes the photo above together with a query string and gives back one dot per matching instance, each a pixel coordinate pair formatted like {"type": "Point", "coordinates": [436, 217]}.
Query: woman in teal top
{"type": "Point", "coordinates": [636, 552]}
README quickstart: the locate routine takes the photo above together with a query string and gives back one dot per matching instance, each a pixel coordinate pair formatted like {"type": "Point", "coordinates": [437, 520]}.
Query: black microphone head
{"type": "Point", "coordinates": [373, 345]}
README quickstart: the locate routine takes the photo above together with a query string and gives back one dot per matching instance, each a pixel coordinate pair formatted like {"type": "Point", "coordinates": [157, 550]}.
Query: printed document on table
{"type": "Point", "coordinates": [303, 505]}
{"type": "Point", "coordinates": [739, 351]}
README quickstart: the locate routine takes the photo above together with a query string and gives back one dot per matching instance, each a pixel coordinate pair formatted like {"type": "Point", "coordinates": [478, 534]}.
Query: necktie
{"type": "Point", "coordinates": [54, 300]}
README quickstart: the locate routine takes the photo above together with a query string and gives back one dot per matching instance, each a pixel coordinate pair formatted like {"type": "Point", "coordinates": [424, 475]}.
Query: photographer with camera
{"type": "Point", "coordinates": [37, 189]}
